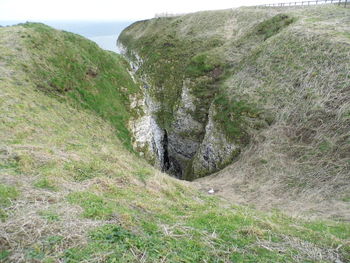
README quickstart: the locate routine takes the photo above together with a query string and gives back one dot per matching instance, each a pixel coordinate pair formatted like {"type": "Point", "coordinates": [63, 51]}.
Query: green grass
{"type": "Point", "coordinates": [273, 26]}
{"type": "Point", "coordinates": [7, 195]}
{"type": "Point", "coordinates": [340, 230]}
{"type": "Point", "coordinates": [49, 215]}
{"type": "Point", "coordinates": [94, 206]}
{"type": "Point", "coordinates": [90, 78]}
{"type": "Point", "coordinates": [4, 255]}
{"type": "Point", "coordinates": [45, 183]}
{"type": "Point", "coordinates": [346, 198]}
{"type": "Point", "coordinates": [202, 64]}
{"type": "Point", "coordinates": [206, 225]}
{"type": "Point", "coordinates": [232, 115]}
{"type": "Point", "coordinates": [143, 174]}
{"type": "Point", "coordinates": [83, 171]}
{"type": "Point", "coordinates": [104, 204]}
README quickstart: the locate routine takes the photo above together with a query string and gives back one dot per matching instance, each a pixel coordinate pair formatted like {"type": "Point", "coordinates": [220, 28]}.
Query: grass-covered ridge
{"type": "Point", "coordinates": [67, 66]}
{"type": "Point", "coordinates": [299, 79]}
{"type": "Point", "coordinates": [71, 192]}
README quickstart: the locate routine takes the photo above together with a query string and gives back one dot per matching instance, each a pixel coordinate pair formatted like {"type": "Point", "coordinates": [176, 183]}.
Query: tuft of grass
{"type": "Point", "coordinates": [94, 206]}
{"type": "Point", "coordinates": [4, 254]}
{"type": "Point", "coordinates": [232, 115]}
{"type": "Point", "coordinates": [346, 199]}
{"type": "Point", "coordinates": [274, 25]}
{"type": "Point", "coordinates": [7, 195]}
{"type": "Point", "coordinates": [45, 183]}
{"type": "Point", "coordinates": [49, 215]}
{"type": "Point", "coordinates": [339, 230]}
{"type": "Point", "coordinates": [202, 64]}
{"type": "Point", "coordinates": [82, 171]}
{"type": "Point", "coordinates": [143, 174]}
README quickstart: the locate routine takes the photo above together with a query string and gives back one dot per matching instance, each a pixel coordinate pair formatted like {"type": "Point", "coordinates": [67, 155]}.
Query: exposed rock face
{"type": "Point", "coordinates": [188, 149]}
{"type": "Point", "coordinates": [135, 60]}
{"type": "Point", "coordinates": [182, 144]}
{"type": "Point", "coordinates": [215, 151]}
{"type": "Point", "coordinates": [148, 136]}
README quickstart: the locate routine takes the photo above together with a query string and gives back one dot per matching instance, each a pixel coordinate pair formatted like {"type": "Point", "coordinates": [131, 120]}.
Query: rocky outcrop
{"type": "Point", "coordinates": [182, 142]}
{"type": "Point", "coordinates": [188, 149]}
{"type": "Point", "coordinates": [148, 136]}
{"type": "Point", "coordinates": [215, 151]}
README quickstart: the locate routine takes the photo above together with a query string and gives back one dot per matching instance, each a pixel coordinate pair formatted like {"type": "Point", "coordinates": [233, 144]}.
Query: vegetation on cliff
{"type": "Point", "coordinates": [198, 47]}
{"type": "Point", "coordinates": [277, 82]}
{"type": "Point", "coordinates": [71, 191]}
{"type": "Point", "coordinates": [70, 68]}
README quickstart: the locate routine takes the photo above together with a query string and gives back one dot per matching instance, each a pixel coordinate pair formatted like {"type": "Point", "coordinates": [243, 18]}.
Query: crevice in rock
{"type": "Point", "coordinates": [166, 161]}
{"type": "Point", "coordinates": [170, 164]}
{"type": "Point", "coordinates": [191, 145]}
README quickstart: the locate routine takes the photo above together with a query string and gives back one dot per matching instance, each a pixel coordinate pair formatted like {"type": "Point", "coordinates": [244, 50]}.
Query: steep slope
{"type": "Point", "coordinates": [70, 68]}
{"type": "Point", "coordinates": [266, 89]}
{"type": "Point", "coordinates": [183, 62]}
{"type": "Point", "coordinates": [70, 191]}
{"type": "Point", "coordinates": [301, 162]}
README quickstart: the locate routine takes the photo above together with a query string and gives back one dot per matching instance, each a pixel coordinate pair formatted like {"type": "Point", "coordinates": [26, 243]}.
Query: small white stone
{"type": "Point", "coordinates": [211, 191]}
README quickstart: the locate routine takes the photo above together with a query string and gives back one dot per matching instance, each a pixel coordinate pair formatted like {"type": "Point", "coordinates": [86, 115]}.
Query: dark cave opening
{"type": "Point", "coordinates": [166, 161]}
{"type": "Point", "coordinates": [170, 164]}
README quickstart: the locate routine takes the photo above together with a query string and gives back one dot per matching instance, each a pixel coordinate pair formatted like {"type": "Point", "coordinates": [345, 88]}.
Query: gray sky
{"type": "Point", "coordinates": [38, 10]}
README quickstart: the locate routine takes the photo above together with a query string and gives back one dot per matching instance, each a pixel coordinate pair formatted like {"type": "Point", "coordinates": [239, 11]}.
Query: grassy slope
{"type": "Point", "coordinates": [301, 75]}
{"type": "Point", "coordinates": [77, 70]}
{"type": "Point", "coordinates": [71, 192]}
{"type": "Point", "coordinates": [284, 93]}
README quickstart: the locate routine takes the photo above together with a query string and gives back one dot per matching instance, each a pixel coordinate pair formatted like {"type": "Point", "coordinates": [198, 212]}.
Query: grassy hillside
{"type": "Point", "coordinates": [278, 79]}
{"type": "Point", "coordinates": [70, 68]}
{"type": "Point", "coordinates": [70, 191]}
{"type": "Point", "coordinates": [301, 76]}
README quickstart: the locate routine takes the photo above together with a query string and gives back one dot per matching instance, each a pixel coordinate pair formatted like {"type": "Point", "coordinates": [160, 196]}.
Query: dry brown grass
{"type": "Point", "coordinates": [270, 178]}
{"type": "Point", "coordinates": [26, 225]}
{"type": "Point", "coordinates": [300, 163]}
{"type": "Point", "coordinates": [305, 248]}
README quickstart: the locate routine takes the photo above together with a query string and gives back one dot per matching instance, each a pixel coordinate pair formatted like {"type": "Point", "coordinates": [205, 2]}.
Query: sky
{"type": "Point", "coordinates": [102, 20]}
{"type": "Point", "coordinates": [121, 10]}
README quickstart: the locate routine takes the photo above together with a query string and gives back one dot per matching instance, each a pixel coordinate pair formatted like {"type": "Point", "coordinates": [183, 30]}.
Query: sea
{"type": "Point", "coordinates": [104, 33]}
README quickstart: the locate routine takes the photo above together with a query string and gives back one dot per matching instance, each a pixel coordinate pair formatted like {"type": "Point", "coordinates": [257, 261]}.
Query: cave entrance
{"type": "Point", "coordinates": [165, 161]}
{"type": "Point", "coordinates": [170, 164]}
